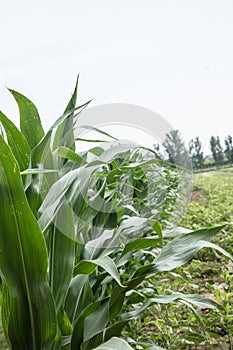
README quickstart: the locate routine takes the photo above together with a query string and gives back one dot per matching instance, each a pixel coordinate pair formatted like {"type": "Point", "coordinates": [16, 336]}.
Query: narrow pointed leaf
{"type": "Point", "coordinates": [182, 248]}
{"type": "Point", "coordinates": [38, 184]}
{"type": "Point", "coordinates": [92, 128]}
{"type": "Point", "coordinates": [140, 243]}
{"type": "Point", "coordinates": [86, 267]}
{"type": "Point", "coordinates": [72, 102]}
{"type": "Point", "coordinates": [78, 333]}
{"type": "Point", "coordinates": [115, 330]}
{"type": "Point", "coordinates": [194, 299]}
{"type": "Point", "coordinates": [116, 302]}
{"type": "Point", "coordinates": [219, 249]}
{"type": "Point", "coordinates": [66, 115]}
{"type": "Point", "coordinates": [109, 266]}
{"type": "Point", "coordinates": [96, 322]}
{"type": "Point", "coordinates": [64, 135]}
{"type": "Point", "coordinates": [71, 155]}
{"type": "Point", "coordinates": [61, 247]}
{"type": "Point", "coordinates": [17, 142]}
{"type": "Point", "coordinates": [30, 123]}
{"type": "Point", "coordinates": [114, 344]}
{"type": "Point", "coordinates": [79, 296]}
{"type": "Point", "coordinates": [38, 171]}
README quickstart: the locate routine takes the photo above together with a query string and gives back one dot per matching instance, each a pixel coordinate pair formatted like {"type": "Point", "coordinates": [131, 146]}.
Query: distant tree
{"type": "Point", "coordinates": [158, 151]}
{"type": "Point", "coordinates": [229, 148]}
{"type": "Point", "coordinates": [196, 153]}
{"type": "Point", "coordinates": [216, 149]}
{"type": "Point", "coordinates": [175, 148]}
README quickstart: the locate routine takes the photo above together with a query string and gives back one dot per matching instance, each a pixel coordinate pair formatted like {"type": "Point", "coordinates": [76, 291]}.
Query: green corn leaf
{"type": "Point", "coordinates": [42, 152]}
{"type": "Point", "coordinates": [114, 330]}
{"type": "Point", "coordinates": [61, 247]}
{"type": "Point", "coordinates": [97, 151]}
{"type": "Point", "coordinates": [143, 271]}
{"type": "Point", "coordinates": [219, 249]}
{"type": "Point", "coordinates": [116, 302]}
{"type": "Point", "coordinates": [72, 103]}
{"type": "Point", "coordinates": [38, 171]}
{"type": "Point", "coordinates": [93, 325]}
{"type": "Point", "coordinates": [85, 267]}
{"type": "Point", "coordinates": [30, 122]}
{"type": "Point", "coordinates": [149, 345]}
{"type": "Point", "coordinates": [109, 266]}
{"type": "Point", "coordinates": [66, 340]}
{"type": "Point", "coordinates": [92, 128]}
{"type": "Point", "coordinates": [114, 344]}
{"type": "Point", "coordinates": [6, 310]}
{"type": "Point", "coordinates": [116, 150]}
{"type": "Point", "coordinates": [181, 249]}
{"type": "Point", "coordinates": [42, 156]}
{"type": "Point", "coordinates": [140, 243]}
{"type": "Point", "coordinates": [72, 187]}
{"type": "Point", "coordinates": [157, 228]}
{"type": "Point", "coordinates": [78, 333]}
{"type": "Point", "coordinates": [64, 135]}
{"type": "Point", "coordinates": [132, 226]}
{"type": "Point", "coordinates": [174, 232]}
{"type": "Point", "coordinates": [96, 322]}
{"type": "Point", "coordinates": [134, 282]}
{"type": "Point", "coordinates": [79, 296]}
{"type": "Point", "coordinates": [69, 154]}
{"type": "Point", "coordinates": [17, 142]}
{"type": "Point", "coordinates": [64, 323]}
{"type": "Point", "coordinates": [23, 259]}
{"type": "Point", "coordinates": [194, 299]}
{"type": "Point", "coordinates": [88, 140]}
{"type": "Point", "coordinates": [88, 267]}
{"type": "Point", "coordinates": [104, 245]}
{"type": "Point", "coordinates": [194, 311]}
{"type": "Point", "coordinates": [66, 115]}
{"type": "Point", "coordinates": [93, 342]}
{"type": "Point", "coordinates": [37, 185]}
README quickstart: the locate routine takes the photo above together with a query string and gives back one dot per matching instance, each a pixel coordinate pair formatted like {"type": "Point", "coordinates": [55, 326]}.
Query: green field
{"type": "Point", "coordinates": [176, 326]}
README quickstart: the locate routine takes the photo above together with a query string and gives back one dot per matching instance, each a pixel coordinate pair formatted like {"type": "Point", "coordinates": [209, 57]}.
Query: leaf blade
{"type": "Point", "coordinates": [17, 142]}
{"type": "Point", "coordinates": [114, 344]}
{"type": "Point", "coordinates": [23, 261]}
{"type": "Point", "coordinates": [30, 122]}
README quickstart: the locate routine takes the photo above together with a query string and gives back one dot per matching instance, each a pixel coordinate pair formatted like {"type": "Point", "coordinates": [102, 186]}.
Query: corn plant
{"type": "Point", "coordinates": [80, 232]}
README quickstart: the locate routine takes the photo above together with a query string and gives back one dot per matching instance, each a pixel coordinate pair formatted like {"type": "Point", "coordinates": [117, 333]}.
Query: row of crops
{"type": "Point", "coordinates": [90, 240]}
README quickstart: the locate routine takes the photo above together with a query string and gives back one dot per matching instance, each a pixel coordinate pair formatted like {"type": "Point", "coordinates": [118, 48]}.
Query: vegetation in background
{"type": "Point", "coordinates": [176, 152]}
{"type": "Point", "coordinates": [176, 326]}
{"type": "Point", "coordinates": [229, 148]}
{"type": "Point", "coordinates": [217, 151]}
{"type": "Point", "coordinates": [196, 153]}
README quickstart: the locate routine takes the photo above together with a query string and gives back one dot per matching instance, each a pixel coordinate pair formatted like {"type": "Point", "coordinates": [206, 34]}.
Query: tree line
{"type": "Point", "coordinates": [193, 156]}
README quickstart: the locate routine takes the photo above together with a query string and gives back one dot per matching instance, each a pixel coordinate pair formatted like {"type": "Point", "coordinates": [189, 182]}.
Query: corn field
{"type": "Point", "coordinates": [82, 234]}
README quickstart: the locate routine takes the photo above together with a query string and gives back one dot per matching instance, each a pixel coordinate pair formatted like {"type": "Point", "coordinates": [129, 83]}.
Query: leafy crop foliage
{"type": "Point", "coordinates": [175, 326]}
{"type": "Point", "coordinates": [80, 233]}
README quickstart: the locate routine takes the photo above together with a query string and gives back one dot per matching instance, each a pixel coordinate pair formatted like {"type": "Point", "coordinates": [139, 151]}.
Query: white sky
{"type": "Point", "coordinates": [172, 56]}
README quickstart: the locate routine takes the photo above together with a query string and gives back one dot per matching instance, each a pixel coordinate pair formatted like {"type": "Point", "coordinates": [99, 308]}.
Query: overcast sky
{"type": "Point", "coordinates": [172, 56]}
